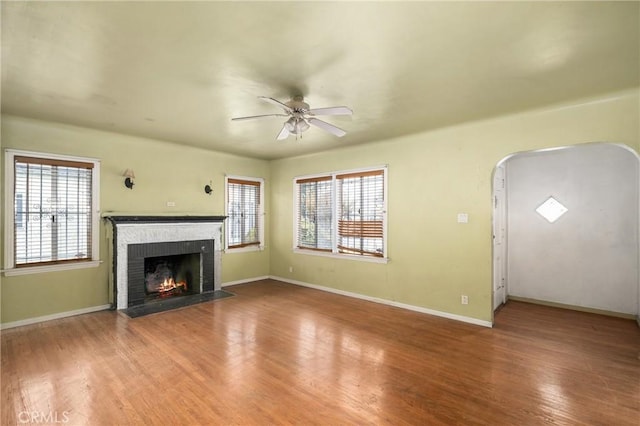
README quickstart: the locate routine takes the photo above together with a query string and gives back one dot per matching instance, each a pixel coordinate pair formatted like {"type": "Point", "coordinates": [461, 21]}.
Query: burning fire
{"type": "Point", "coordinates": [170, 284]}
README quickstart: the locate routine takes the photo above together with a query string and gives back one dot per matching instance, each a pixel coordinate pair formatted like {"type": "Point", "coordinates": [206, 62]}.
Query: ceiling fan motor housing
{"type": "Point", "coordinates": [298, 105]}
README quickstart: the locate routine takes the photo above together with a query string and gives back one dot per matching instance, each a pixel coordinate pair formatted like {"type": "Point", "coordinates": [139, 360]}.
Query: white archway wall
{"type": "Point", "coordinates": [589, 256]}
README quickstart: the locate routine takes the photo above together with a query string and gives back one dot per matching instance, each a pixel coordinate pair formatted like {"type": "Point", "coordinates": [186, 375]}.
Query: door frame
{"type": "Point", "coordinates": [499, 237]}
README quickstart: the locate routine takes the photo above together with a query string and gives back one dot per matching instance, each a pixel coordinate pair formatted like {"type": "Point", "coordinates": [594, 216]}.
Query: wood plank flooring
{"type": "Point", "coordinates": [282, 354]}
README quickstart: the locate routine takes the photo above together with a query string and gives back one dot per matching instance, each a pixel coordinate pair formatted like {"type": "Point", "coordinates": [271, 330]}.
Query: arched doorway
{"type": "Point", "coordinates": [566, 228]}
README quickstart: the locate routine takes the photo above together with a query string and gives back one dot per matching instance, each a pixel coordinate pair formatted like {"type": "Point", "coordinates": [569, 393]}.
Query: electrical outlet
{"type": "Point", "coordinates": [290, 268]}
{"type": "Point", "coordinates": [464, 299]}
{"type": "Point", "coordinates": [171, 203]}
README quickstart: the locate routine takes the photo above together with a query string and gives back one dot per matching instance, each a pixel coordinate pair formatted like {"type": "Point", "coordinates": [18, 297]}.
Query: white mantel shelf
{"type": "Point", "coordinates": [118, 218]}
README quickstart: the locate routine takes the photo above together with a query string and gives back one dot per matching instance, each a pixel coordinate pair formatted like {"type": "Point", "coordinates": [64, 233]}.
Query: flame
{"type": "Point", "coordinates": [170, 284]}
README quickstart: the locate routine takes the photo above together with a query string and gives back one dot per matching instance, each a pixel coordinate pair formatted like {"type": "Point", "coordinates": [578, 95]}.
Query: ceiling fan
{"type": "Point", "coordinates": [301, 116]}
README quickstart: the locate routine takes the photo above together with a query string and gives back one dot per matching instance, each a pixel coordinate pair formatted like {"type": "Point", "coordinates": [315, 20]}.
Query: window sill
{"type": "Point", "coordinates": [244, 249]}
{"type": "Point", "coordinates": [51, 268]}
{"type": "Point", "coordinates": [369, 259]}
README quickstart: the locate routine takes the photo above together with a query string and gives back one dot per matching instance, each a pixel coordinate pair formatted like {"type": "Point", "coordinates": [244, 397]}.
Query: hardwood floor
{"type": "Point", "coordinates": [282, 354]}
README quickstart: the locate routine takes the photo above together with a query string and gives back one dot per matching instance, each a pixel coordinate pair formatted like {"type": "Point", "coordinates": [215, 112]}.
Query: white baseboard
{"type": "Point", "coordinates": [246, 280]}
{"type": "Point", "coordinates": [59, 315]}
{"type": "Point", "coordinates": [420, 309]}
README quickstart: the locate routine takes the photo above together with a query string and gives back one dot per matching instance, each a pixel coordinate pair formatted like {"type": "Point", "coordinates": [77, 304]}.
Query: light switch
{"type": "Point", "coordinates": [463, 218]}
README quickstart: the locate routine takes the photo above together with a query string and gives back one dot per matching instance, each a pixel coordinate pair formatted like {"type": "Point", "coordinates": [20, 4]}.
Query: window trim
{"type": "Point", "coordinates": [10, 268]}
{"type": "Point", "coordinates": [335, 210]}
{"type": "Point", "coordinates": [250, 247]}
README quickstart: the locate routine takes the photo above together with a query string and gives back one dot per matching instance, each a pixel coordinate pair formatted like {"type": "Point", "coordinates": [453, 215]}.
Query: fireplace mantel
{"type": "Point", "coordinates": [166, 219]}
{"type": "Point", "coordinates": [142, 229]}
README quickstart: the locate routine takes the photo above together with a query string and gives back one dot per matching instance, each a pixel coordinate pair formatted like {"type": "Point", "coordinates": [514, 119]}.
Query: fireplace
{"type": "Point", "coordinates": [156, 258]}
{"type": "Point", "coordinates": [168, 269]}
{"type": "Point", "coordinates": [168, 276]}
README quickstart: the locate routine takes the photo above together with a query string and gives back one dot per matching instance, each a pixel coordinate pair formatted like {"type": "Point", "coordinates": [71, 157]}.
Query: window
{"type": "Point", "coordinates": [245, 214]}
{"type": "Point", "coordinates": [361, 213]}
{"type": "Point", "coordinates": [315, 208]}
{"type": "Point", "coordinates": [55, 211]}
{"type": "Point", "coordinates": [342, 213]}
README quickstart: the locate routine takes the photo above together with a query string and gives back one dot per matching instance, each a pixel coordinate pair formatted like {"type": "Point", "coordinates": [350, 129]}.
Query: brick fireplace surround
{"type": "Point", "coordinates": [196, 233]}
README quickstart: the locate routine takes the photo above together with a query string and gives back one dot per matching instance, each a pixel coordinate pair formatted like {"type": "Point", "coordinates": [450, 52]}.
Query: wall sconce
{"type": "Point", "coordinates": [207, 189]}
{"type": "Point", "coordinates": [130, 176]}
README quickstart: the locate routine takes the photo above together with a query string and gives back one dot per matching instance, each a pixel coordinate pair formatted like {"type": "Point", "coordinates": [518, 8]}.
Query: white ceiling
{"type": "Point", "coordinates": [179, 71]}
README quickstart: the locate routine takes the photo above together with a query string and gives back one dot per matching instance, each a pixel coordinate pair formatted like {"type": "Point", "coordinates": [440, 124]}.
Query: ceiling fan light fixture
{"type": "Point", "coordinates": [291, 125]}
{"type": "Point", "coordinates": [302, 126]}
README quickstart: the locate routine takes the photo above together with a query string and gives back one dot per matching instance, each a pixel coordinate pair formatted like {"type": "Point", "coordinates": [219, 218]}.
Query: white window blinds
{"type": "Point", "coordinates": [243, 212]}
{"type": "Point", "coordinates": [52, 211]}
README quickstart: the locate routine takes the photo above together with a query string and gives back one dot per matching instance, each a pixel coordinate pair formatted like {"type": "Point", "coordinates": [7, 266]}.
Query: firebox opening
{"type": "Point", "coordinates": [170, 276]}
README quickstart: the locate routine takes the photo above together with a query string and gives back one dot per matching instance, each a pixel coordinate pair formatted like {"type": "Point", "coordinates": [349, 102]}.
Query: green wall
{"type": "Point", "coordinates": [432, 177]}
{"type": "Point", "coordinates": [164, 172]}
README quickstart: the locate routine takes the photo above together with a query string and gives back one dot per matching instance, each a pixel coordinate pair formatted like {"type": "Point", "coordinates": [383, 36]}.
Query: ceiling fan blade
{"type": "Point", "coordinates": [326, 126]}
{"type": "Point", "coordinates": [251, 117]}
{"type": "Point", "coordinates": [284, 133]}
{"type": "Point", "coordinates": [338, 110]}
{"type": "Point", "coordinates": [276, 103]}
